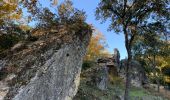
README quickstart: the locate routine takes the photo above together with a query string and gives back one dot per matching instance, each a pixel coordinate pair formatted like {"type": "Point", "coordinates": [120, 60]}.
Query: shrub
{"type": "Point", "coordinates": [87, 64]}
{"type": "Point", "coordinates": [8, 40]}
{"type": "Point", "coordinates": [117, 81]}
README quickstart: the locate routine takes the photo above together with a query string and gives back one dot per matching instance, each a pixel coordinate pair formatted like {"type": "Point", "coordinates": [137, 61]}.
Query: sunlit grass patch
{"type": "Point", "coordinates": [138, 92]}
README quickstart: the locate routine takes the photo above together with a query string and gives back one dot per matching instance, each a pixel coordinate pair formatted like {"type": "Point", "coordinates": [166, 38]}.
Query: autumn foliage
{"type": "Point", "coordinates": [9, 9]}
{"type": "Point", "coordinates": [96, 48]}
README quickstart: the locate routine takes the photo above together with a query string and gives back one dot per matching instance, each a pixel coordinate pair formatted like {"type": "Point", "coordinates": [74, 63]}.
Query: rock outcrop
{"type": "Point", "coordinates": [137, 73]}
{"type": "Point", "coordinates": [116, 57]}
{"type": "Point", "coordinates": [97, 76]}
{"type": "Point", "coordinates": [102, 78]}
{"type": "Point", "coordinates": [47, 69]}
{"type": "Point", "coordinates": [112, 63]}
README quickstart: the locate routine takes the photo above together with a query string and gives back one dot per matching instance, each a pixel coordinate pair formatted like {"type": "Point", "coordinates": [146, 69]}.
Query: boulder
{"type": "Point", "coordinates": [137, 74]}
{"type": "Point", "coordinates": [46, 70]}
{"type": "Point", "coordinates": [112, 63]}
{"type": "Point", "coordinates": [102, 79]}
{"type": "Point", "coordinates": [97, 76]}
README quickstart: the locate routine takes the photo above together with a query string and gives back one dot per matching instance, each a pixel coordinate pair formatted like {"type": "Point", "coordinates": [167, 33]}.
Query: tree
{"type": "Point", "coordinates": [9, 11]}
{"type": "Point", "coordinates": [11, 34]}
{"type": "Point", "coordinates": [33, 5]}
{"type": "Point", "coordinates": [12, 9]}
{"type": "Point", "coordinates": [153, 50]}
{"type": "Point", "coordinates": [66, 15]}
{"type": "Point", "coordinates": [96, 48]}
{"type": "Point", "coordinates": [166, 72]}
{"type": "Point", "coordinates": [149, 48]}
{"type": "Point", "coordinates": [132, 17]}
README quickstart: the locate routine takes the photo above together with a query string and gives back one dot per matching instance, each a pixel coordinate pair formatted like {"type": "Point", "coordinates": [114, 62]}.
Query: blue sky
{"type": "Point", "coordinates": [113, 40]}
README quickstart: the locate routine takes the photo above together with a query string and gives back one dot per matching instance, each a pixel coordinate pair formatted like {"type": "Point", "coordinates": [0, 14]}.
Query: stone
{"type": "Point", "coordinates": [112, 63]}
{"type": "Point", "coordinates": [118, 97]}
{"type": "Point", "coordinates": [116, 57]}
{"type": "Point", "coordinates": [49, 71]}
{"type": "Point", "coordinates": [102, 80]}
{"type": "Point", "coordinates": [97, 76]}
{"type": "Point", "coordinates": [2, 63]}
{"type": "Point", "coordinates": [18, 46]}
{"type": "Point", "coordinates": [137, 74]}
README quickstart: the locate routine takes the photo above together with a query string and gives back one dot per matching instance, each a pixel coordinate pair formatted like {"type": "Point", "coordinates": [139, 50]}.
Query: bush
{"type": "Point", "coordinates": [168, 84]}
{"type": "Point", "coordinates": [166, 70]}
{"type": "Point", "coordinates": [155, 79]}
{"type": "Point", "coordinates": [87, 64]}
{"type": "Point", "coordinates": [8, 40]}
{"type": "Point", "coordinates": [117, 81]}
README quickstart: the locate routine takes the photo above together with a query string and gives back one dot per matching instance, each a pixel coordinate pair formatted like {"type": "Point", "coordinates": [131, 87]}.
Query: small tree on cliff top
{"type": "Point", "coordinates": [131, 17]}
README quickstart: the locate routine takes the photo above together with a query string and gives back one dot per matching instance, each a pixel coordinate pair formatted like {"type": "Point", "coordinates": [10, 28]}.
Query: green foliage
{"type": "Point", "coordinates": [67, 17]}
{"type": "Point", "coordinates": [166, 70]}
{"type": "Point", "coordinates": [138, 92]}
{"type": "Point", "coordinates": [46, 18]}
{"type": "Point", "coordinates": [3, 73]}
{"type": "Point", "coordinates": [88, 64]}
{"type": "Point", "coordinates": [8, 40]}
{"type": "Point", "coordinates": [150, 50]}
{"type": "Point", "coordinates": [10, 34]}
{"type": "Point", "coordinates": [130, 17]}
{"type": "Point", "coordinates": [154, 79]}
{"type": "Point", "coordinates": [89, 92]}
{"type": "Point", "coordinates": [131, 13]}
{"type": "Point", "coordinates": [114, 91]}
{"type": "Point", "coordinates": [117, 81]}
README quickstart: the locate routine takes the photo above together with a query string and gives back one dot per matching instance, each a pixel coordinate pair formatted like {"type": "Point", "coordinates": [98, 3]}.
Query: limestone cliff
{"type": "Point", "coordinates": [47, 69]}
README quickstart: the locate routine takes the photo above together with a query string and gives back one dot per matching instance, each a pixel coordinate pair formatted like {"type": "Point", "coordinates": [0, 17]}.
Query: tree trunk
{"type": "Point", "coordinates": [127, 89]}
{"type": "Point", "coordinates": [128, 48]}
{"type": "Point", "coordinates": [158, 86]}
{"type": "Point", "coordinates": [157, 78]}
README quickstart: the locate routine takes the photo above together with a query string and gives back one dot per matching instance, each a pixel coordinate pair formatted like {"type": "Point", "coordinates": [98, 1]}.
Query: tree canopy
{"type": "Point", "coordinates": [132, 18]}
{"type": "Point", "coordinates": [96, 48]}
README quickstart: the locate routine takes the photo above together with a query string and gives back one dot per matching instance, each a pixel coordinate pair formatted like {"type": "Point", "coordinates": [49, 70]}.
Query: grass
{"type": "Point", "coordinates": [115, 91]}
{"type": "Point", "coordinates": [90, 92]}
{"type": "Point", "coordinates": [138, 92]}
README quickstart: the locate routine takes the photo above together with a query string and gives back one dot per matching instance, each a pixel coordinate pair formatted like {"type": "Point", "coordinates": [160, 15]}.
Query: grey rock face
{"type": "Point", "coordinates": [51, 74]}
{"type": "Point", "coordinates": [102, 80]}
{"type": "Point", "coordinates": [97, 76]}
{"type": "Point", "coordinates": [59, 79]}
{"type": "Point", "coordinates": [116, 57]}
{"type": "Point", "coordinates": [137, 73]}
{"type": "Point", "coordinates": [2, 63]}
{"type": "Point", "coordinates": [112, 63]}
